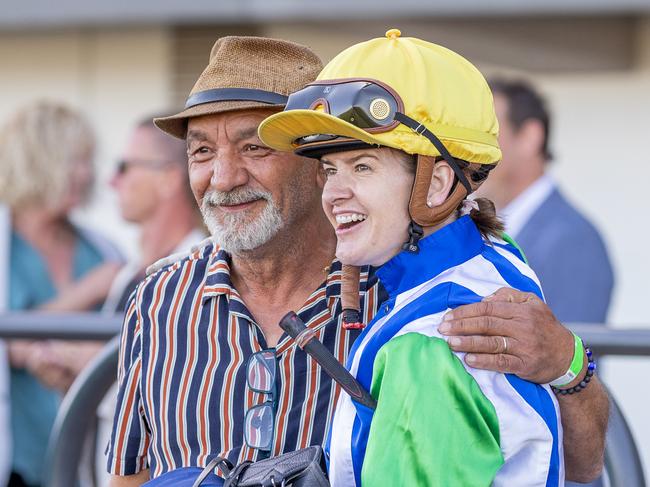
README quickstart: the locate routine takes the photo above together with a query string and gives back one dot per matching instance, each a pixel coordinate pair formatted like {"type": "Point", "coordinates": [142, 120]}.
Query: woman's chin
{"type": "Point", "coordinates": [362, 256]}
{"type": "Point", "coordinates": [351, 261]}
{"type": "Point", "coordinates": [348, 256]}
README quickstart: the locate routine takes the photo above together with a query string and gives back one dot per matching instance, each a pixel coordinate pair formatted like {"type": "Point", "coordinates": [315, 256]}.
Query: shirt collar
{"type": "Point", "coordinates": [450, 246]}
{"type": "Point", "coordinates": [218, 282]}
{"type": "Point", "coordinates": [517, 213]}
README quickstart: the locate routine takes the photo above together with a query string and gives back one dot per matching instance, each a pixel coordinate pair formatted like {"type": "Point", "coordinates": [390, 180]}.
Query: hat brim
{"type": "Point", "coordinates": [176, 125]}
{"type": "Point", "coordinates": [279, 131]}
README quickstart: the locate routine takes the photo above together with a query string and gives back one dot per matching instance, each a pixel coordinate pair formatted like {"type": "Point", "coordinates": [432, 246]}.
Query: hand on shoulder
{"type": "Point", "coordinates": [511, 332]}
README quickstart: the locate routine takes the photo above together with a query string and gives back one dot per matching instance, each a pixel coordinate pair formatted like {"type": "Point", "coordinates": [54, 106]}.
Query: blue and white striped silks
{"type": "Point", "coordinates": [455, 266]}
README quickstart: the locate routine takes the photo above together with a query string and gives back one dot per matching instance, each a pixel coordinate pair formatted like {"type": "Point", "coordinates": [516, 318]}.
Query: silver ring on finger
{"type": "Point", "coordinates": [505, 344]}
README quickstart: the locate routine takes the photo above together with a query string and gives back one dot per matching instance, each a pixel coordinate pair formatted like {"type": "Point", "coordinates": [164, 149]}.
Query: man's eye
{"type": "Point", "coordinates": [361, 168]}
{"type": "Point", "coordinates": [199, 154]}
{"type": "Point", "coordinates": [198, 150]}
{"type": "Point", "coordinates": [256, 149]}
{"type": "Point", "coordinates": [329, 171]}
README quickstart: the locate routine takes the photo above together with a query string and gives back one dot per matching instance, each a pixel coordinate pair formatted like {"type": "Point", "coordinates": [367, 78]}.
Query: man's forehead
{"type": "Point", "coordinates": [142, 140]}
{"type": "Point", "coordinates": [240, 124]}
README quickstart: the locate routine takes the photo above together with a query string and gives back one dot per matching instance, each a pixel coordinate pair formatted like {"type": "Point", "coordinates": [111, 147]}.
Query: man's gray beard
{"type": "Point", "coordinates": [235, 233]}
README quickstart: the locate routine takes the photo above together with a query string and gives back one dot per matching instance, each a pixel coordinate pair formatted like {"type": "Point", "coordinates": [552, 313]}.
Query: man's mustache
{"type": "Point", "coordinates": [234, 197]}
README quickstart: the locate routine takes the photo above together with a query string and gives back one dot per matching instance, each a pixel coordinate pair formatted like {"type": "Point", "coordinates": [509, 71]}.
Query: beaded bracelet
{"type": "Point", "coordinates": [591, 369]}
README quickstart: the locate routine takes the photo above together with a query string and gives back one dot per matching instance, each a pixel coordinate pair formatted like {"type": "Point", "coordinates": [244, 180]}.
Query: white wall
{"type": "Point", "coordinates": [601, 138]}
{"type": "Point", "coordinates": [601, 131]}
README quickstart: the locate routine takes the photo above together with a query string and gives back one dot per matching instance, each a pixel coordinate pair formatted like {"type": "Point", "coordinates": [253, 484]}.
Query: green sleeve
{"type": "Point", "coordinates": [433, 426]}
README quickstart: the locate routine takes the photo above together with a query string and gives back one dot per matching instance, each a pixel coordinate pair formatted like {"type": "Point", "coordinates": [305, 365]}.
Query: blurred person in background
{"type": "Point", "coordinates": [562, 246]}
{"type": "Point", "coordinates": [46, 152]}
{"type": "Point", "coordinates": [153, 189]}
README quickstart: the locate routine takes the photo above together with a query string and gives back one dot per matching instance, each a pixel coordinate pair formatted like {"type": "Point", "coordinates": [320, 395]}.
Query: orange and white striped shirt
{"type": "Point", "coordinates": [186, 341]}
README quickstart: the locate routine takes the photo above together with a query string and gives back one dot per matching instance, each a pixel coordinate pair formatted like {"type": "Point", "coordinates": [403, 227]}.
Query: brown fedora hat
{"type": "Point", "coordinates": [245, 72]}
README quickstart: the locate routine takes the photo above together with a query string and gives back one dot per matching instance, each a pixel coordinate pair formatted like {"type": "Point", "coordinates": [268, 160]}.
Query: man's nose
{"type": "Point", "coordinates": [113, 182]}
{"type": "Point", "coordinates": [228, 172]}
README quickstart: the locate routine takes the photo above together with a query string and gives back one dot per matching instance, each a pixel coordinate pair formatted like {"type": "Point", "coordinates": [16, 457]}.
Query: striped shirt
{"type": "Point", "coordinates": [185, 344]}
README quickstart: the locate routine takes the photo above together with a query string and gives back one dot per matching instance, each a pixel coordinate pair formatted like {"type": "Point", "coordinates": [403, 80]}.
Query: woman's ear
{"type": "Point", "coordinates": [442, 180]}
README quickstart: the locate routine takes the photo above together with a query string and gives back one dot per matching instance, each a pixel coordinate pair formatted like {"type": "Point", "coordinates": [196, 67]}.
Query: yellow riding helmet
{"type": "Point", "coordinates": [391, 91]}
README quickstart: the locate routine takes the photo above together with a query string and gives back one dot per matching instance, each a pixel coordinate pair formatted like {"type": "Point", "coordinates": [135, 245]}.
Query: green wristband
{"type": "Point", "coordinates": [576, 364]}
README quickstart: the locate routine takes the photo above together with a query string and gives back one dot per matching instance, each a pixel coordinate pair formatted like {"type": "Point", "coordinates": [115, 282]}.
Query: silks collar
{"type": "Point", "coordinates": [450, 246]}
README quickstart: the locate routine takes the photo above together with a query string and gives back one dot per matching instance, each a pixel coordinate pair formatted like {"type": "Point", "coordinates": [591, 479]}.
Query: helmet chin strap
{"type": "Point", "coordinates": [422, 216]}
{"type": "Point", "coordinates": [350, 298]}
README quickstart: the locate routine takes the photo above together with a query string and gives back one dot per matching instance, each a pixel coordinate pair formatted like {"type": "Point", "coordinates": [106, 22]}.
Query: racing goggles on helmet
{"type": "Point", "coordinates": [367, 104]}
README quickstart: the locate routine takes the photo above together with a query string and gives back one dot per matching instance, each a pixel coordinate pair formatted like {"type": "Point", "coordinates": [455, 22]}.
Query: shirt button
{"type": "Point", "coordinates": [386, 308]}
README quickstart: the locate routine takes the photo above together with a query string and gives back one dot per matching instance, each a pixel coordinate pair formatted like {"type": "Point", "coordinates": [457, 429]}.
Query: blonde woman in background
{"type": "Point", "coordinates": [46, 152]}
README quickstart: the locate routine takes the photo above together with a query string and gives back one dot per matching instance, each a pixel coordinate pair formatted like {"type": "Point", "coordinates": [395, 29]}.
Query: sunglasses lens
{"type": "Point", "coordinates": [261, 372]}
{"type": "Point", "coordinates": [121, 167]}
{"type": "Point", "coordinates": [258, 427]}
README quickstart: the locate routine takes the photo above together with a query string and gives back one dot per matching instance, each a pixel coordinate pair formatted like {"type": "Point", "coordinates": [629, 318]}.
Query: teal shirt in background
{"type": "Point", "coordinates": [33, 406]}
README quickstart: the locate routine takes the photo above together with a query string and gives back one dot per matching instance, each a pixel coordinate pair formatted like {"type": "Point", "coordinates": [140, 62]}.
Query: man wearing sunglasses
{"type": "Point", "coordinates": [205, 369]}
{"type": "Point", "coordinates": [152, 189]}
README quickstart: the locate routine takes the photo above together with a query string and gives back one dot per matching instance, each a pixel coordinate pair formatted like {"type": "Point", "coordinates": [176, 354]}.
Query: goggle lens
{"type": "Point", "coordinates": [364, 104]}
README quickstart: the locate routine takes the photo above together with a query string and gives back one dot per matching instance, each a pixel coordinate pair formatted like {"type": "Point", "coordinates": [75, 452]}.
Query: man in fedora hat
{"type": "Point", "coordinates": [204, 367]}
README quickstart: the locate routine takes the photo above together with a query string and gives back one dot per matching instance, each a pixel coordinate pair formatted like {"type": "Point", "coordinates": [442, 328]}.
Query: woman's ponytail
{"type": "Point", "coordinates": [486, 219]}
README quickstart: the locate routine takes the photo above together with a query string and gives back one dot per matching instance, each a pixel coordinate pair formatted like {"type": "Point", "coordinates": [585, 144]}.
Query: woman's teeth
{"type": "Point", "coordinates": [350, 217]}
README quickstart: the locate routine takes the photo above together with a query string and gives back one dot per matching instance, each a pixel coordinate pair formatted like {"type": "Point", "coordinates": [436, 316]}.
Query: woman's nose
{"type": "Point", "coordinates": [337, 188]}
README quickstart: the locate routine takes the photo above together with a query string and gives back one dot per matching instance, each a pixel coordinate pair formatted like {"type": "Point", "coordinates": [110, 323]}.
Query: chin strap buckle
{"type": "Point", "coordinates": [352, 320]}
{"type": "Point", "coordinates": [415, 234]}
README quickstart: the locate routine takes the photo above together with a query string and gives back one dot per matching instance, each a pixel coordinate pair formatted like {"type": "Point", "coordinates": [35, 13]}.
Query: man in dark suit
{"type": "Point", "coordinates": [562, 246]}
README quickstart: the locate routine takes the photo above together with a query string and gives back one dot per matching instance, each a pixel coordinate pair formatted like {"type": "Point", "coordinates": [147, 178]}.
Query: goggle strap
{"type": "Point", "coordinates": [422, 130]}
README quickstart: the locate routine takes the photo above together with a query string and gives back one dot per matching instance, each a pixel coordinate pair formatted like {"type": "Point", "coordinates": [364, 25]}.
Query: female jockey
{"type": "Point", "coordinates": [405, 130]}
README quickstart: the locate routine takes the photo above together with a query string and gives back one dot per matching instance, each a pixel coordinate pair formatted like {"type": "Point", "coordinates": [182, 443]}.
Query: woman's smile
{"type": "Point", "coordinates": [348, 222]}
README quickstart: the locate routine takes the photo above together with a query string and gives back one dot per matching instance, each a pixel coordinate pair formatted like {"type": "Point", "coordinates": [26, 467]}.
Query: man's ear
{"type": "Point", "coordinates": [442, 180]}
